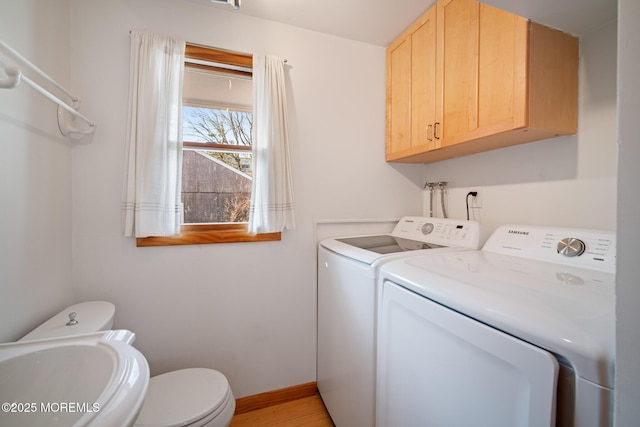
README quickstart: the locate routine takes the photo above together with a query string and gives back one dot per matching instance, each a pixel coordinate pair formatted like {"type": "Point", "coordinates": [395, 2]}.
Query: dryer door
{"type": "Point", "coordinates": [437, 367]}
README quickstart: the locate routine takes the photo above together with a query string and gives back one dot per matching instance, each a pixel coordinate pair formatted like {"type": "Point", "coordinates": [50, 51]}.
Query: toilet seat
{"type": "Point", "coordinates": [187, 397]}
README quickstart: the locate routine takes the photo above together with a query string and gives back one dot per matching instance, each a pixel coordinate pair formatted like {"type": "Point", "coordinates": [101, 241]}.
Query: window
{"type": "Point", "coordinates": [217, 163]}
{"type": "Point", "coordinates": [217, 158]}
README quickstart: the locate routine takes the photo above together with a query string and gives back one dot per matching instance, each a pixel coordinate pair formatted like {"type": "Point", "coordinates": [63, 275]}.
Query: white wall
{"type": "Point", "coordinates": [566, 181]}
{"type": "Point", "coordinates": [35, 173]}
{"type": "Point", "coordinates": [627, 289]}
{"type": "Point", "coordinates": [247, 309]}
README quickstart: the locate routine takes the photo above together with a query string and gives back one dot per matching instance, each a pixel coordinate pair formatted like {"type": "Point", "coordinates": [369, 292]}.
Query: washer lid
{"type": "Point", "coordinates": [410, 234]}
{"type": "Point", "coordinates": [182, 397]}
{"type": "Point", "coordinates": [387, 244]}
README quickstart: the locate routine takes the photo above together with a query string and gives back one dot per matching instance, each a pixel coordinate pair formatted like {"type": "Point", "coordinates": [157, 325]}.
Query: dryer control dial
{"type": "Point", "coordinates": [427, 228]}
{"type": "Point", "coordinates": [571, 247]}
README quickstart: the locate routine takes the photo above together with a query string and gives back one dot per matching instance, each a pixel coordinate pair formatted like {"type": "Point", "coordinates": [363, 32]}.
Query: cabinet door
{"type": "Point", "coordinates": [423, 83]}
{"type": "Point", "coordinates": [411, 89]}
{"type": "Point", "coordinates": [458, 34]}
{"type": "Point", "coordinates": [502, 71]}
{"type": "Point", "coordinates": [484, 71]}
{"type": "Point", "coordinates": [398, 97]}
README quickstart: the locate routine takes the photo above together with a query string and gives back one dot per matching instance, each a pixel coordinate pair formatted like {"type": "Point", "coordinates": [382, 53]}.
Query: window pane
{"type": "Point", "coordinates": [219, 126]}
{"type": "Point", "coordinates": [216, 182]}
{"type": "Point", "coordinates": [213, 191]}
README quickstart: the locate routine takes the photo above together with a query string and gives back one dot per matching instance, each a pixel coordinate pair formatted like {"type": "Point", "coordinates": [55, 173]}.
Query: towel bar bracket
{"type": "Point", "coordinates": [66, 112]}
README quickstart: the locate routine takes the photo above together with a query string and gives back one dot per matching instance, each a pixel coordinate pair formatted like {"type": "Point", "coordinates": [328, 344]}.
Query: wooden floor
{"type": "Point", "coordinates": [305, 412]}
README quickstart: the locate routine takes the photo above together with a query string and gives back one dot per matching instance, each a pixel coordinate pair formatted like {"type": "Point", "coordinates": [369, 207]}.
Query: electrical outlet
{"type": "Point", "coordinates": [475, 202]}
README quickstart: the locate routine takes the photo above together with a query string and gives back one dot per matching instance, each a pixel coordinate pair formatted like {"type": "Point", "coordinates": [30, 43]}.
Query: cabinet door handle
{"type": "Point", "coordinates": [428, 137]}
{"type": "Point", "coordinates": [435, 130]}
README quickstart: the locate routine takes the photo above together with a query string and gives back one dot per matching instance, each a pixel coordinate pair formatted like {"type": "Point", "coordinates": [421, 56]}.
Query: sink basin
{"type": "Point", "coordinates": [96, 379]}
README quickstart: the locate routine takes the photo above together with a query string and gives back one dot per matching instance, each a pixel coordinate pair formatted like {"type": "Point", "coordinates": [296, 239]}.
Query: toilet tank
{"type": "Point", "coordinates": [90, 316]}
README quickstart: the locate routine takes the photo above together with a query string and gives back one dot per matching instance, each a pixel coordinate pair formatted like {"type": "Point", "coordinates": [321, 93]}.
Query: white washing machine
{"type": "Point", "coordinates": [520, 333]}
{"type": "Point", "coordinates": [347, 272]}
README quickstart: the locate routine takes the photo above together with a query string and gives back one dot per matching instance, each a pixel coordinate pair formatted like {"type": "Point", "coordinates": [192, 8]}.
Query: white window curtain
{"type": "Point", "coordinates": [151, 199]}
{"type": "Point", "coordinates": [272, 207]}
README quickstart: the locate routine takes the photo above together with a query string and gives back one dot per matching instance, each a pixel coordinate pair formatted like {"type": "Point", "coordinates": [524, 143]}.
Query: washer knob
{"type": "Point", "coordinates": [571, 247]}
{"type": "Point", "coordinates": [427, 228]}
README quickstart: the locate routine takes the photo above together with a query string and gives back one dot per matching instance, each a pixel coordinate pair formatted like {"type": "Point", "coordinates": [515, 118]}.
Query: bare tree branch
{"type": "Point", "coordinates": [221, 127]}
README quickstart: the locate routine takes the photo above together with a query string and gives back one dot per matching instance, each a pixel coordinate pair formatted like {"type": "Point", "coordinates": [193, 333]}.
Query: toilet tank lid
{"type": "Point", "coordinates": [92, 316]}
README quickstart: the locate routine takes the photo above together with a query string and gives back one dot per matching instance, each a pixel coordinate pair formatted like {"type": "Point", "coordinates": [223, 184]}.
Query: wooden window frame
{"type": "Point", "coordinates": [199, 234]}
{"type": "Point", "coordinates": [202, 234]}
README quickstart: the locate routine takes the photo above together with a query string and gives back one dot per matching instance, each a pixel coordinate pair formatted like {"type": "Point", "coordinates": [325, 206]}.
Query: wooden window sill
{"type": "Point", "coordinates": [202, 234]}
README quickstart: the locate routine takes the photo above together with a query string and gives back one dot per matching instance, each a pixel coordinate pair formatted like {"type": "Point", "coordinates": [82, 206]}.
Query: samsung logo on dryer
{"type": "Point", "coordinates": [522, 233]}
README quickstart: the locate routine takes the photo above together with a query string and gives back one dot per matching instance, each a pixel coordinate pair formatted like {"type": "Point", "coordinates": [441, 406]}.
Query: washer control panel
{"type": "Point", "coordinates": [441, 231]}
{"type": "Point", "coordinates": [593, 249]}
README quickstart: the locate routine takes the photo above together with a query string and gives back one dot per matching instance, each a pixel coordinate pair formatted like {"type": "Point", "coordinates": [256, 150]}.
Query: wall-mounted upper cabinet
{"type": "Point", "coordinates": [467, 77]}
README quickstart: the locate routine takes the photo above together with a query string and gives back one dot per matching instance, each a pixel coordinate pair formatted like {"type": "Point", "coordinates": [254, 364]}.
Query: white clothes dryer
{"type": "Point", "coordinates": [520, 333]}
{"type": "Point", "coordinates": [347, 273]}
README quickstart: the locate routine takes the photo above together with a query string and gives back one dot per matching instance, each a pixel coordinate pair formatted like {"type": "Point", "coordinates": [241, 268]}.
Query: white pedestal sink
{"type": "Point", "coordinates": [96, 379]}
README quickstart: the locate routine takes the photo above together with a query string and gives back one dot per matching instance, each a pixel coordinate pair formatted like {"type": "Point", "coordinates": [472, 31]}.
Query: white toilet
{"type": "Point", "coordinates": [196, 397]}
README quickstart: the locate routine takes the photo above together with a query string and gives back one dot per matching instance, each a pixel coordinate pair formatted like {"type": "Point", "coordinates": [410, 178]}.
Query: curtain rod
{"type": "Point", "coordinates": [209, 47]}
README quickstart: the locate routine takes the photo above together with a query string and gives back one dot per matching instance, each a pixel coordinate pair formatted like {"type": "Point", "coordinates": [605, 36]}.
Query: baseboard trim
{"type": "Point", "coordinates": [275, 397]}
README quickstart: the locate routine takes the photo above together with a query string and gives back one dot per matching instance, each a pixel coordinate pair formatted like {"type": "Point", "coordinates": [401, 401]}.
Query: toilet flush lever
{"type": "Point", "coordinates": [72, 319]}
